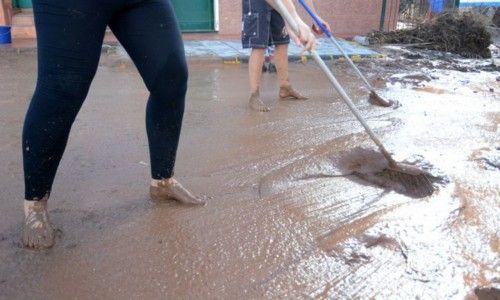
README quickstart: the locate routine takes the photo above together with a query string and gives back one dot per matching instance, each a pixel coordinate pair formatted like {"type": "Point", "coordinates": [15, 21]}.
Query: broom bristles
{"type": "Point", "coordinates": [375, 99]}
{"type": "Point", "coordinates": [416, 186]}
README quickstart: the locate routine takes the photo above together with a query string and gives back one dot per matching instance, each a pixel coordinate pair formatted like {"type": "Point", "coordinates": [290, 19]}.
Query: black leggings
{"type": "Point", "coordinates": [70, 35]}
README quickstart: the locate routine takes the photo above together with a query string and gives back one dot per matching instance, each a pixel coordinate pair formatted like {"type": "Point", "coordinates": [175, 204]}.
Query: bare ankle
{"type": "Point", "coordinates": [156, 182]}
{"type": "Point", "coordinates": [29, 205]}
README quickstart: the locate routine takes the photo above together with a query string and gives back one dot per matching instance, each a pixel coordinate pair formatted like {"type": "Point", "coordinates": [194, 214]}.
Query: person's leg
{"type": "Point", "coordinates": [255, 63]}
{"type": "Point", "coordinates": [281, 39]}
{"type": "Point", "coordinates": [69, 36]}
{"type": "Point", "coordinates": [255, 35]}
{"type": "Point", "coordinates": [149, 32]}
{"type": "Point", "coordinates": [281, 60]}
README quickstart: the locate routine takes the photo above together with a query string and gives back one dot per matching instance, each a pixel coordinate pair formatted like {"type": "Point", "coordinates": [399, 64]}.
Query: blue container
{"type": "Point", "coordinates": [5, 36]}
{"type": "Point", "coordinates": [437, 6]}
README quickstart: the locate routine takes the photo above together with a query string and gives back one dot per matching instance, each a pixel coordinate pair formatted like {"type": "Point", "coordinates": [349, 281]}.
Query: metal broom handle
{"type": "Point", "coordinates": [329, 34]}
{"type": "Point", "coordinates": [296, 29]}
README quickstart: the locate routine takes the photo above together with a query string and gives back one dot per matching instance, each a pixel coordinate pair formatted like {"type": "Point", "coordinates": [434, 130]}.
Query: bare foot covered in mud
{"type": "Point", "coordinates": [288, 93]}
{"type": "Point", "coordinates": [256, 103]}
{"type": "Point", "coordinates": [171, 189]}
{"type": "Point", "coordinates": [38, 232]}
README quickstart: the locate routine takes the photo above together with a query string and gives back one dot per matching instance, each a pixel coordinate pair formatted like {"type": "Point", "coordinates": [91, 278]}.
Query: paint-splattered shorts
{"type": "Point", "coordinates": [262, 26]}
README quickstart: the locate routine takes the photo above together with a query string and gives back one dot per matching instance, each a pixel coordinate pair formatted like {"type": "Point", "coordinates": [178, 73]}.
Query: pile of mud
{"type": "Point", "coordinates": [496, 18]}
{"type": "Point", "coordinates": [463, 33]}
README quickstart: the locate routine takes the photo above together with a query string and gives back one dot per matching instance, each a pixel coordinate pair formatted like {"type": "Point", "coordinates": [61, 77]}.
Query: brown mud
{"type": "Point", "coordinates": [279, 222]}
{"type": "Point", "coordinates": [463, 33]}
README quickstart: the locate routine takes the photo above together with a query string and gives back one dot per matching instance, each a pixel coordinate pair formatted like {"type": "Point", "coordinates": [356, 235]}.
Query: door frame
{"type": "Point", "coordinates": [216, 15]}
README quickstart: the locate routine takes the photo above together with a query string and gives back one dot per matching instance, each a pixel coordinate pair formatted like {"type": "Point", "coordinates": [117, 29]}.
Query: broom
{"type": "Point", "coordinates": [374, 97]}
{"type": "Point", "coordinates": [410, 176]}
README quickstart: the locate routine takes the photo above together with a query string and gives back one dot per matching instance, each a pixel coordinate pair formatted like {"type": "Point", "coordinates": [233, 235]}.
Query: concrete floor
{"type": "Point", "coordinates": [231, 49]}
{"type": "Point", "coordinates": [281, 221]}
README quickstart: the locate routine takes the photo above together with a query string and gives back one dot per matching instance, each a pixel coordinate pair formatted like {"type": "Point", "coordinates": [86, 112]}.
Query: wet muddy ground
{"type": "Point", "coordinates": [285, 219]}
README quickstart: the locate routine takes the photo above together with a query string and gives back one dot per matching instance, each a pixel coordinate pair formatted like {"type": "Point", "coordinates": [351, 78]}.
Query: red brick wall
{"type": "Point", "coordinates": [347, 17]}
{"type": "Point", "coordinates": [5, 12]}
{"type": "Point", "coordinates": [230, 17]}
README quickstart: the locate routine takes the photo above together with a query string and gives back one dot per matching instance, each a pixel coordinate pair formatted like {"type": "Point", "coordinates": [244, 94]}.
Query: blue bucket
{"type": "Point", "coordinates": [5, 36]}
{"type": "Point", "coordinates": [437, 6]}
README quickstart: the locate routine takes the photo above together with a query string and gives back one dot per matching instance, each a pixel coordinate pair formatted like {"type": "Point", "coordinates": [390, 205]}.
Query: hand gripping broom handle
{"type": "Point", "coordinates": [296, 29]}
{"type": "Point", "coordinates": [329, 34]}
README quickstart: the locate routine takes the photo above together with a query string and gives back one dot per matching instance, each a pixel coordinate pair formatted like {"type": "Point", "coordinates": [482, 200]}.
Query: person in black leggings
{"type": "Point", "coordinates": [70, 35]}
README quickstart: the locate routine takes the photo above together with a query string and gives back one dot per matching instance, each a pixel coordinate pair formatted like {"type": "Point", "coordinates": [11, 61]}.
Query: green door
{"type": "Point", "coordinates": [195, 15]}
{"type": "Point", "coordinates": [22, 3]}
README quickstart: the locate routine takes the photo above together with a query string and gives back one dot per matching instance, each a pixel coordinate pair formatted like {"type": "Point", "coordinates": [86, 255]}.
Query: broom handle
{"type": "Point", "coordinates": [329, 34]}
{"type": "Point", "coordinates": [296, 29]}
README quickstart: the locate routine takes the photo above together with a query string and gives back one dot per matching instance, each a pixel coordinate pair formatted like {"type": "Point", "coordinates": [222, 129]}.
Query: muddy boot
{"type": "Point", "coordinates": [38, 232]}
{"type": "Point", "coordinates": [288, 93]}
{"type": "Point", "coordinates": [256, 103]}
{"type": "Point", "coordinates": [170, 189]}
